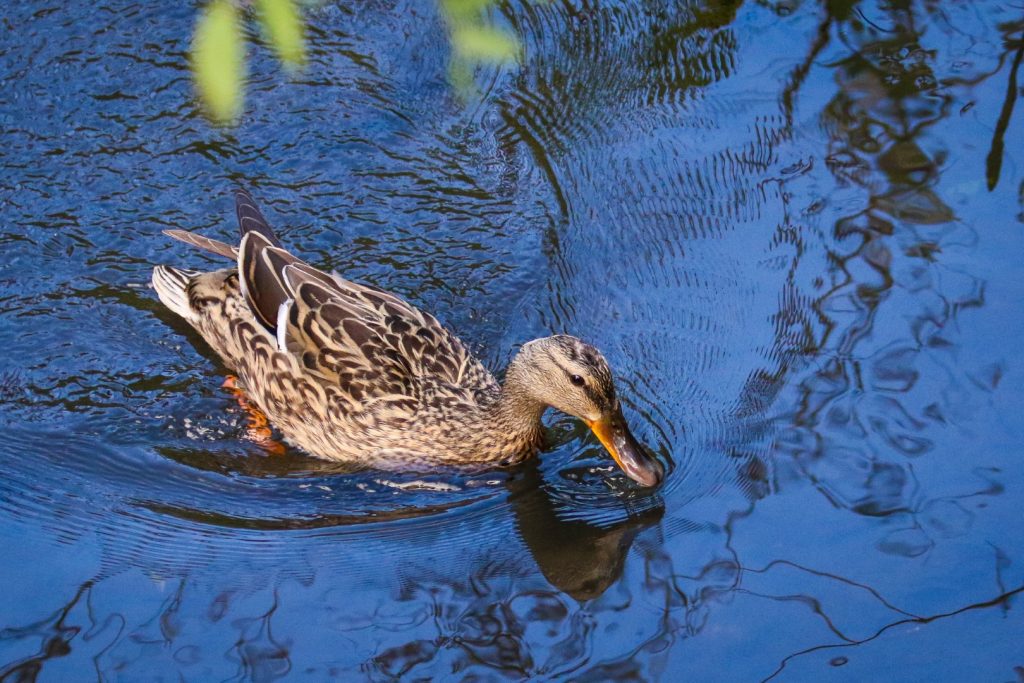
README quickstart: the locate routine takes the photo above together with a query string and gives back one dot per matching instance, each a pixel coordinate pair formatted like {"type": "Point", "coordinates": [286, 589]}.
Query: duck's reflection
{"type": "Point", "coordinates": [580, 558]}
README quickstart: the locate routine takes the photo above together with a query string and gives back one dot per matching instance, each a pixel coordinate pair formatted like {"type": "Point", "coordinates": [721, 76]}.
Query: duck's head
{"type": "Point", "coordinates": [572, 376]}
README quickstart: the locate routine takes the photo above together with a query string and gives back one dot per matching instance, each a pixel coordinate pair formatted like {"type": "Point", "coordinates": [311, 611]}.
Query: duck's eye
{"type": "Point", "coordinates": [577, 380]}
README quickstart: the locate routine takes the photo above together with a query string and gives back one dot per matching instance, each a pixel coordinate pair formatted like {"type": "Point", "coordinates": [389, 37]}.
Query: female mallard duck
{"type": "Point", "coordinates": [352, 373]}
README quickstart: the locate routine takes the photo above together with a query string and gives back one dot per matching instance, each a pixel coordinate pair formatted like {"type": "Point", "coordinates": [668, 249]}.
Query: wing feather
{"type": "Point", "coordinates": [204, 243]}
{"type": "Point", "coordinates": [371, 344]}
{"type": "Point", "coordinates": [260, 267]}
{"type": "Point", "coordinates": [250, 219]}
{"type": "Point", "coordinates": [428, 347]}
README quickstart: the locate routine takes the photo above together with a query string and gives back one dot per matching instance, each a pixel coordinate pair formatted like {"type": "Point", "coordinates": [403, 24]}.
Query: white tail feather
{"type": "Point", "coordinates": [171, 286]}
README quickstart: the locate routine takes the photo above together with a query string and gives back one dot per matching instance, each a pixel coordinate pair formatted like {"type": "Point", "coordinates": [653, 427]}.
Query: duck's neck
{"type": "Point", "coordinates": [515, 413]}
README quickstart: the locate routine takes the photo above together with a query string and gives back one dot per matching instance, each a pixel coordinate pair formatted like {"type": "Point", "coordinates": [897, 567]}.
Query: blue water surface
{"type": "Point", "coordinates": [795, 229]}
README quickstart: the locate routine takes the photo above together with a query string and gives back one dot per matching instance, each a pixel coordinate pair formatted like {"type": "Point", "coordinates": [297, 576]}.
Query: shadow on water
{"type": "Point", "coordinates": [793, 228]}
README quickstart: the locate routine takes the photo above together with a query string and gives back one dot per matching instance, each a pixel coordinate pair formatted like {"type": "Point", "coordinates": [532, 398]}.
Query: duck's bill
{"type": "Point", "coordinates": [614, 435]}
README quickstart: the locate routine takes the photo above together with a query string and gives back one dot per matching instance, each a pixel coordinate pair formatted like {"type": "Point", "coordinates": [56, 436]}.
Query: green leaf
{"type": "Point", "coordinates": [464, 11]}
{"type": "Point", "coordinates": [460, 76]}
{"type": "Point", "coordinates": [484, 44]}
{"type": "Point", "coordinates": [218, 60]}
{"type": "Point", "coordinates": [282, 24]}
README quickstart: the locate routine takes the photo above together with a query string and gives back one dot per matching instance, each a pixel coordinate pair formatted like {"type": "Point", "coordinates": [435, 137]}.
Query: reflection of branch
{"type": "Point", "coordinates": [813, 603]}
{"type": "Point", "coordinates": [1002, 562]}
{"type": "Point", "coordinates": [801, 71]}
{"type": "Point", "coordinates": [260, 655]}
{"type": "Point", "coordinates": [56, 638]}
{"type": "Point", "coordinates": [998, 600]}
{"type": "Point", "coordinates": [841, 579]}
{"type": "Point", "coordinates": [994, 160]}
{"type": "Point", "coordinates": [880, 29]}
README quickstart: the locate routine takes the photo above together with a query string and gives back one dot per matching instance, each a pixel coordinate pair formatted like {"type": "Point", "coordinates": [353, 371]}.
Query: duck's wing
{"type": "Point", "coordinates": [250, 219]}
{"type": "Point", "coordinates": [368, 342]}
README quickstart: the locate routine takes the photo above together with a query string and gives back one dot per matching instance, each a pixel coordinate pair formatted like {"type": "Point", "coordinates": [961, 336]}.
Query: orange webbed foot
{"type": "Point", "coordinates": [258, 430]}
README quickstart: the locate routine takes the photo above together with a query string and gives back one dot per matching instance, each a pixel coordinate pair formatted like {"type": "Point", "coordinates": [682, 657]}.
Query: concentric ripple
{"type": "Point", "coordinates": [793, 228]}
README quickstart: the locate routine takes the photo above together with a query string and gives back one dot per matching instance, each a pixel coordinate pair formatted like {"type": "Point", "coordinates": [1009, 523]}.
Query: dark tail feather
{"type": "Point", "coordinates": [260, 268]}
{"type": "Point", "coordinates": [250, 219]}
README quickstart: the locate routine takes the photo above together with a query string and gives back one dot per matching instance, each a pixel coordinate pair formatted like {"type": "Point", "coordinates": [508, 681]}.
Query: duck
{"type": "Point", "coordinates": [355, 374]}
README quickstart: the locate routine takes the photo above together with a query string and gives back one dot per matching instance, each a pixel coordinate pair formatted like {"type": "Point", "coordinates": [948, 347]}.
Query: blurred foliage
{"type": "Point", "coordinates": [474, 41]}
{"type": "Point", "coordinates": [282, 24]}
{"type": "Point", "coordinates": [218, 46]}
{"type": "Point", "coordinates": [218, 60]}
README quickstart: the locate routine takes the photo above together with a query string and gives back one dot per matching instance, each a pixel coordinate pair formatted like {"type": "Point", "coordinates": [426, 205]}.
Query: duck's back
{"type": "Point", "coordinates": [335, 364]}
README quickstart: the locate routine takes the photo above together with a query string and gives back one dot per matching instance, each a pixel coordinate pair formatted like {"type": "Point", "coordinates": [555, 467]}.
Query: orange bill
{"type": "Point", "coordinates": [638, 465]}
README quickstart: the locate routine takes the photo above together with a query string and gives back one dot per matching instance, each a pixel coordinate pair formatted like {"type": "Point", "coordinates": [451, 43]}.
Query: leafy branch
{"type": "Point", "coordinates": [219, 49]}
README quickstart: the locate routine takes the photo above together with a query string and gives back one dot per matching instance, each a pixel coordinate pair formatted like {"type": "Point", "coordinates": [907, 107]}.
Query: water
{"type": "Point", "coordinates": [795, 230]}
